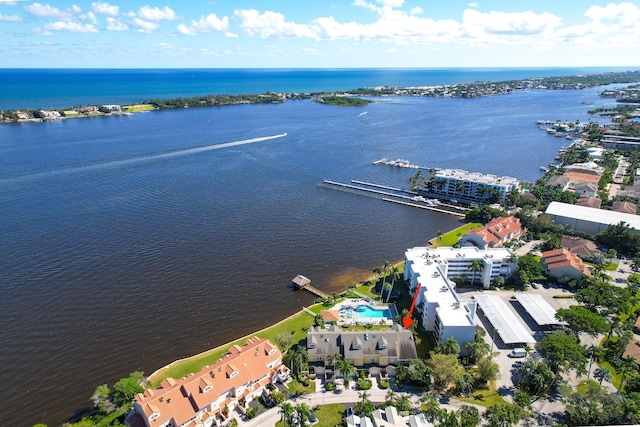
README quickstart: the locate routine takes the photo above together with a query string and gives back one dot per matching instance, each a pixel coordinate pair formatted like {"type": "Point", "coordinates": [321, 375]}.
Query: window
{"type": "Point", "coordinates": [374, 360]}
{"type": "Point", "coordinates": [318, 358]}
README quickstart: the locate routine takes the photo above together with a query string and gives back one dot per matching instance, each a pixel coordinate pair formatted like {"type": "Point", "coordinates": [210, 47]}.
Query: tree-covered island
{"type": "Point", "coordinates": [458, 90]}
{"type": "Point", "coordinates": [343, 101]}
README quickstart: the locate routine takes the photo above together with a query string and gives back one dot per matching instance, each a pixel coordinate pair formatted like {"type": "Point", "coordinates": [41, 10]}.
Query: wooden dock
{"type": "Point", "coordinates": [301, 282]}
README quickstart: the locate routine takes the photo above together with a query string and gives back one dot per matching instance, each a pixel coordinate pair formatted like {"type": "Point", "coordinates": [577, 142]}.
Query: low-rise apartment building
{"type": "Point", "coordinates": [206, 398]}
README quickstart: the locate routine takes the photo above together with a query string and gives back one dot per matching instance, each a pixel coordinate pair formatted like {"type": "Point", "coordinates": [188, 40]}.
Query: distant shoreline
{"type": "Point", "coordinates": [476, 89]}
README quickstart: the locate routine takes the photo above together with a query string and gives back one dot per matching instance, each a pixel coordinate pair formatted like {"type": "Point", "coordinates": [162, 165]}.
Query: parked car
{"type": "Point", "coordinates": [535, 285]}
{"type": "Point", "coordinates": [518, 352]}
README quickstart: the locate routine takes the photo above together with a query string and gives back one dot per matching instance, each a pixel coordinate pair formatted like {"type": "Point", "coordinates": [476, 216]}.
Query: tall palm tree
{"type": "Point", "coordinates": [395, 274]}
{"type": "Point", "coordinates": [594, 352]}
{"type": "Point", "coordinates": [476, 267]}
{"type": "Point", "coordinates": [335, 359]}
{"type": "Point", "coordinates": [602, 374]}
{"type": "Point", "coordinates": [346, 367]}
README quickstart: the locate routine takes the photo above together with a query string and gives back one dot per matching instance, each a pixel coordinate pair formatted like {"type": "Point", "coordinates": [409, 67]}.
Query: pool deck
{"type": "Point", "coordinates": [348, 313]}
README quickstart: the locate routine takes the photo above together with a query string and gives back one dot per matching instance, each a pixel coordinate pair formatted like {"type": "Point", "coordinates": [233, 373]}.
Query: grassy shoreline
{"type": "Point", "coordinates": [296, 324]}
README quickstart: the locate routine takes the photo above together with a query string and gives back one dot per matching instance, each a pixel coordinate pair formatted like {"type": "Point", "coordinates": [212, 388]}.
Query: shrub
{"type": "Point", "coordinates": [364, 384]}
{"type": "Point", "coordinates": [384, 385]}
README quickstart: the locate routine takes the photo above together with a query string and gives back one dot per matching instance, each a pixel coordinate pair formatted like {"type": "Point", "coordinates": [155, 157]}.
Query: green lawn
{"type": "Point", "coordinates": [328, 415]}
{"type": "Point", "coordinates": [452, 237]}
{"type": "Point", "coordinates": [137, 108]}
{"type": "Point", "coordinates": [484, 397]}
{"type": "Point", "coordinates": [297, 325]}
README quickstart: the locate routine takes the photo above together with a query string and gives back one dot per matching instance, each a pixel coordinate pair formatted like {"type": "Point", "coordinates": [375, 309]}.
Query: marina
{"type": "Point", "coordinates": [393, 195]}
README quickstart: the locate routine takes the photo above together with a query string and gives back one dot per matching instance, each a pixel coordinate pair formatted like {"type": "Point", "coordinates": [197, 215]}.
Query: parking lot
{"type": "Point", "coordinates": [555, 296]}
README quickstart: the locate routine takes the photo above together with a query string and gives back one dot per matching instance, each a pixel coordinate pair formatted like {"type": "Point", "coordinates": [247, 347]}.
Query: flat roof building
{"type": "Point", "coordinates": [589, 220]}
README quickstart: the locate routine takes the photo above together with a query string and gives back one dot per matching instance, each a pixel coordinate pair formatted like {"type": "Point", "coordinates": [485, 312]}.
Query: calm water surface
{"type": "Point", "coordinates": [123, 249]}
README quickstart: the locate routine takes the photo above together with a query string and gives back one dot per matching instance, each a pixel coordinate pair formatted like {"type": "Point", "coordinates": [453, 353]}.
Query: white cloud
{"type": "Point", "coordinates": [271, 24]}
{"type": "Point", "coordinates": [156, 14]}
{"type": "Point", "coordinates": [89, 16]}
{"type": "Point", "coordinates": [366, 5]}
{"type": "Point", "coordinates": [115, 25]}
{"type": "Point", "coordinates": [416, 11]}
{"type": "Point", "coordinates": [10, 18]}
{"type": "Point", "coordinates": [48, 11]}
{"type": "Point", "coordinates": [145, 26]}
{"type": "Point", "coordinates": [73, 27]}
{"type": "Point", "coordinates": [496, 28]}
{"type": "Point", "coordinates": [205, 25]}
{"type": "Point", "coordinates": [105, 8]}
{"type": "Point", "coordinates": [473, 4]}
{"type": "Point", "coordinates": [41, 32]}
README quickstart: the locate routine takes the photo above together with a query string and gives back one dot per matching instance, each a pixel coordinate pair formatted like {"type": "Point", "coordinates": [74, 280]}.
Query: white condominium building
{"type": "Point", "coordinates": [442, 311]}
{"type": "Point", "coordinates": [472, 187]}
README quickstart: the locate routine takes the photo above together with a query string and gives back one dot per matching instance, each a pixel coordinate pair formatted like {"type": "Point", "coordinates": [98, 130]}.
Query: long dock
{"type": "Point", "coordinates": [393, 195]}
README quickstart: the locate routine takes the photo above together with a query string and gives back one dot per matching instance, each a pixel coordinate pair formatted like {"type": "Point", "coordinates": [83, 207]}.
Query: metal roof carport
{"type": "Point", "coordinates": [539, 310]}
{"type": "Point", "coordinates": [510, 329]}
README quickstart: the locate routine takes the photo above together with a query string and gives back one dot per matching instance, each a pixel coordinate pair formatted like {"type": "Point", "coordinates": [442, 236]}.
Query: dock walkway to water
{"type": "Point", "coordinates": [393, 195]}
{"type": "Point", "coordinates": [301, 282]}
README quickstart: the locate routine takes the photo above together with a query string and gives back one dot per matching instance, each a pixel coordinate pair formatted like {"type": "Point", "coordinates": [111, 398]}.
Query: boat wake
{"type": "Point", "coordinates": [101, 165]}
{"type": "Point", "coordinates": [363, 113]}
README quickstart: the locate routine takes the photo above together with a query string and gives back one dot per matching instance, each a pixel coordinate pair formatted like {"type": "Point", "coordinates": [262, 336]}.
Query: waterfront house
{"type": "Point", "coordinates": [562, 263]}
{"type": "Point", "coordinates": [364, 349]}
{"type": "Point", "coordinates": [206, 398]}
{"type": "Point", "coordinates": [496, 233]}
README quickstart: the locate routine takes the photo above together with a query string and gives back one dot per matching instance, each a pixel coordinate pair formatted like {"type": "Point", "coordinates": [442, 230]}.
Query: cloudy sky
{"type": "Point", "coordinates": [319, 33]}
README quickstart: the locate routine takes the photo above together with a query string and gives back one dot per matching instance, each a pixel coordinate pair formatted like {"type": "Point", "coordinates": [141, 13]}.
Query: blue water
{"type": "Point", "coordinates": [368, 312]}
{"type": "Point", "coordinates": [129, 242]}
{"type": "Point", "coordinates": [61, 88]}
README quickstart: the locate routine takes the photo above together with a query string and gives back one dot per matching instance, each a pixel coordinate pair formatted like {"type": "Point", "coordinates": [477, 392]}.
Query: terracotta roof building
{"type": "Point", "coordinates": [561, 262]}
{"type": "Point", "coordinates": [205, 399]}
{"type": "Point", "coordinates": [584, 248]}
{"type": "Point", "coordinates": [498, 232]}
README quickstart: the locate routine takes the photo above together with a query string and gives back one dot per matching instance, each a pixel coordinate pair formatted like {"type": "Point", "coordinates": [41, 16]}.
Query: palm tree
{"type": "Point", "coordinates": [335, 359]}
{"type": "Point", "coordinates": [476, 267]}
{"type": "Point", "coordinates": [629, 361]}
{"type": "Point", "coordinates": [390, 397]}
{"type": "Point", "coordinates": [304, 413]}
{"type": "Point", "coordinates": [527, 350]}
{"type": "Point", "coordinates": [493, 340]}
{"type": "Point", "coordinates": [286, 413]}
{"type": "Point", "coordinates": [346, 367]}
{"type": "Point", "coordinates": [594, 352]}
{"type": "Point", "coordinates": [395, 274]}
{"type": "Point", "coordinates": [385, 272]}
{"type": "Point", "coordinates": [602, 374]}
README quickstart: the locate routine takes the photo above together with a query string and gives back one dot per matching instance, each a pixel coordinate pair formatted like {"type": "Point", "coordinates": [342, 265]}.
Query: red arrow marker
{"type": "Point", "coordinates": [407, 320]}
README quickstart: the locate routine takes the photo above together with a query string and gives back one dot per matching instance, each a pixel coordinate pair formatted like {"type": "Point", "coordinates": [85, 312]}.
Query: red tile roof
{"type": "Point", "coordinates": [244, 368]}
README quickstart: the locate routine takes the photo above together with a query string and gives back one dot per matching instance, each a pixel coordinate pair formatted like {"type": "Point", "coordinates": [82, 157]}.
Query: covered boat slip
{"type": "Point", "coordinates": [539, 310]}
{"type": "Point", "coordinates": [502, 318]}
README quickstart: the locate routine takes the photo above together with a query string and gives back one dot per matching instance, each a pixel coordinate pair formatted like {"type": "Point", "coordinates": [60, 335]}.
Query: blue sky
{"type": "Point", "coordinates": [318, 33]}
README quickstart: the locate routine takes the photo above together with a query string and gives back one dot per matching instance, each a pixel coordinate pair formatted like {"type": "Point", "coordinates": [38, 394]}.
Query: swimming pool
{"type": "Point", "coordinates": [368, 312]}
